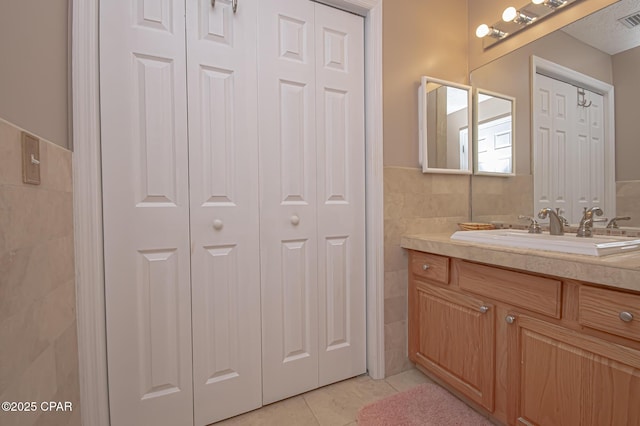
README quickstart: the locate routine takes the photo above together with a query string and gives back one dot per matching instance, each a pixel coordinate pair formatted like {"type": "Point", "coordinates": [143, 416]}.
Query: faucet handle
{"type": "Point", "coordinates": [542, 214]}
{"type": "Point", "coordinates": [613, 223]}
{"type": "Point", "coordinates": [593, 210]}
{"type": "Point", "coordinates": [534, 227]}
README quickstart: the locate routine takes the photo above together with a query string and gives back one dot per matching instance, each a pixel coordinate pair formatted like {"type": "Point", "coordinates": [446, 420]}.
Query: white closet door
{"type": "Point", "coordinates": [311, 125]}
{"type": "Point", "coordinates": [588, 155]}
{"type": "Point", "coordinates": [223, 152]}
{"type": "Point", "coordinates": [146, 211]}
{"type": "Point", "coordinates": [552, 128]}
{"type": "Point", "coordinates": [286, 117]}
{"type": "Point", "coordinates": [339, 46]}
{"type": "Point", "coordinates": [568, 149]}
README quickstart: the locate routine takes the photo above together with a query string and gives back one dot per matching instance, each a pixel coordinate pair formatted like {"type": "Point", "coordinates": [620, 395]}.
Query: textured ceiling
{"type": "Point", "coordinates": [603, 31]}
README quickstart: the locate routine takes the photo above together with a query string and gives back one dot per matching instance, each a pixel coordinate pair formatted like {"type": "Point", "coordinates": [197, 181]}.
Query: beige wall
{"type": "Point", "coordinates": [626, 69]}
{"type": "Point", "coordinates": [38, 343]}
{"type": "Point", "coordinates": [34, 71]}
{"type": "Point", "coordinates": [421, 37]}
{"type": "Point", "coordinates": [490, 11]}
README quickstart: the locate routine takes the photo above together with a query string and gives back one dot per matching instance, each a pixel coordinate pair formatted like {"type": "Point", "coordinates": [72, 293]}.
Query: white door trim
{"type": "Point", "coordinates": [87, 194]}
{"type": "Point", "coordinates": [559, 72]}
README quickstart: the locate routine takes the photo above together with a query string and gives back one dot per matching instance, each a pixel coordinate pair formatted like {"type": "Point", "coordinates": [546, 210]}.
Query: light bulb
{"type": "Point", "coordinates": [509, 14]}
{"type": "Point", "coordinates": [537, 1]}
{"type": "Point", "coordinates": [482, 30]}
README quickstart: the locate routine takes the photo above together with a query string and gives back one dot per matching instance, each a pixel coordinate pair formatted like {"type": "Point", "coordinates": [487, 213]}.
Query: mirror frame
{"type": "Point", "coordinates": [422, 125]}
{"type": "Point", "coordinates": [476, 123]}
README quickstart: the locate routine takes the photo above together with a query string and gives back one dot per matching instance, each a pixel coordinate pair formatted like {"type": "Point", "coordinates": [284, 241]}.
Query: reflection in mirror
{"type": "Point", "coordinates": [609, 54]}
{"type": "Point", "coordinates": [494, 142]}
{"type": "Point", "coordinates": [444, 117]}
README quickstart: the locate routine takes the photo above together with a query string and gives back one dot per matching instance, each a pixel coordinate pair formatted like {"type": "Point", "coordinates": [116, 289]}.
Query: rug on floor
{"type": "Point", "coordinates": [424, 405]}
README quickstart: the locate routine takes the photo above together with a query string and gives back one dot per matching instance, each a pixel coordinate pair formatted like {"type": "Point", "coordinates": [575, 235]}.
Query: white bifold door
{"type": "Point", "coordinates": [233, 193]}
{"type": "Point", "coordinates": [311, 131]}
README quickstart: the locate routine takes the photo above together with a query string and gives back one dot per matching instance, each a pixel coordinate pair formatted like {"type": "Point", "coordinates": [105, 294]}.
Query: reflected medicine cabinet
{"type": "Point", "coordinates": [494, 131]}
{"type": "Point", "coordinates": [444, 110]}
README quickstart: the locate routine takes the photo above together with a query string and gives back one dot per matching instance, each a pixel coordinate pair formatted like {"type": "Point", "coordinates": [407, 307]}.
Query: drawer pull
{"type": "Point", "coordinates": [626, 316]}
{"type": "Point", "coordinates": [425, 267]}
{"type": "Point", "coordinates": [510, 319]}
{"type": "Point", "coordinates": [484, 309]}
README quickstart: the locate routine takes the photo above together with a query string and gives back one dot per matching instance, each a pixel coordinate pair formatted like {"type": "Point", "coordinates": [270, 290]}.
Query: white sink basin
{"type": "Point", "coordinates": [599, 245]}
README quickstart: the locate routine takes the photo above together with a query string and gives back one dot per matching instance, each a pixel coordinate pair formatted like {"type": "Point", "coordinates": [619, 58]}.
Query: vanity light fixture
{"type": "Point", "coordinates": [550, 3]}
{"type": "Point", "coordinates": [510, 14]}
{"type": "Point", "coordinates": [485, 30]}
{"type": "Point", "coordinates": [514, 20]}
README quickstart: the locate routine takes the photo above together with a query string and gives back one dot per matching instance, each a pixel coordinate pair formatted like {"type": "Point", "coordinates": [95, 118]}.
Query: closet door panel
{"type": "Point", "coordinates": [223, 152]}
{"type": "Point", "coordinates": [286, 117]}
{"type": "Point", "coordinates": [339, 49]}
{"type": "Point", "coordinates": [146, 211]}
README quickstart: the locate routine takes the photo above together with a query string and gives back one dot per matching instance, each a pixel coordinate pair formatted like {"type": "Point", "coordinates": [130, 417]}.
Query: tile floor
{"type": "Point", "coordinates": [333, 405]}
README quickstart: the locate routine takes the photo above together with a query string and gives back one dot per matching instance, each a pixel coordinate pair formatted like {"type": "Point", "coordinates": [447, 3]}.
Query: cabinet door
{"type": "Point", "coordinates": [558, 377]}
{"type": "Point", "coordinates": [223, 172]}
{"type": "Point", "coordinates": [455, 339]}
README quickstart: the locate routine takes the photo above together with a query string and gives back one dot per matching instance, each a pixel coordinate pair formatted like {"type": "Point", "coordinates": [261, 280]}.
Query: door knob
{"type": "Point", "coordinates": [295, 220]}
{"type": "Point", "coordinates": [217, 224]}
{"type": "Point", "coordinates": [484, 309]}
{"type": "Point", "coordinates": [510, 319]}
{"type": "Point", "coordinates": [425, 267]}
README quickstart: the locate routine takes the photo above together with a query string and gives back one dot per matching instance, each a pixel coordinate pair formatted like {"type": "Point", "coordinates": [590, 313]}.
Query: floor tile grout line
{"type": "Point", "coordinates": [313, 413]}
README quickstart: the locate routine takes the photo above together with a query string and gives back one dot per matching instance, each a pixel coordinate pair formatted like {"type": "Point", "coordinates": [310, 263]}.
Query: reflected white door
{"type": "Point", "coordinates": [225, 247]}
{"type": "Point", "coordinates": [146, 211]}
{"type": "Point", "coordinates": [568, 149]}
{"type": "Point", "coordinates": [311, 129]}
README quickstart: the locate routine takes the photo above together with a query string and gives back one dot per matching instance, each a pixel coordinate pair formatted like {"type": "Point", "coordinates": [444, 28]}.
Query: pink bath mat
{"type": "Point", "coordinates": [424, 405]}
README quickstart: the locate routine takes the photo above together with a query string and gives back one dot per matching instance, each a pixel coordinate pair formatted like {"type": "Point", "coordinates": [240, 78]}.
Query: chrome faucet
{"type": "Point", "coordinates": [556, 222]}
{"type": "Point", "coordinates": [586, 223]}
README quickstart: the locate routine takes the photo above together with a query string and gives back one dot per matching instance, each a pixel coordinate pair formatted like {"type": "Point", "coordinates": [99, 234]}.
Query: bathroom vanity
{"type": "Point", "coordinates": [529, 336]}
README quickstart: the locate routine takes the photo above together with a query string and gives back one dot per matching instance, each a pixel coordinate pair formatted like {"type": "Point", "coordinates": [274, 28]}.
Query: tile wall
{"type": "Point", "coordinates": [38, 339]}
{"type": "Point", "coordinates": [502, 199]}
{"type": "Point", "coordinates": [414, 203]}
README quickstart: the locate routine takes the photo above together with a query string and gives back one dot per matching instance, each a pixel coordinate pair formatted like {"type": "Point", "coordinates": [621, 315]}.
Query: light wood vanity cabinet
{"type": "Point", "coordinates": [529, 349]}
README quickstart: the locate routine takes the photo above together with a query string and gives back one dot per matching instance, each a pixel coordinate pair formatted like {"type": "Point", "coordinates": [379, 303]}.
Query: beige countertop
{"type": "Point", "coordinates": [618, 270]}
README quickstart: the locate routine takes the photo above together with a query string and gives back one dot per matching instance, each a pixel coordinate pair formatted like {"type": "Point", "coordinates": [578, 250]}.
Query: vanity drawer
{"type": "Point", "coordinates": [611, 311]}
{"type": "Point", "coordinates": [537, 294]}
{"type": "Point", "coordinates": [430, 266]}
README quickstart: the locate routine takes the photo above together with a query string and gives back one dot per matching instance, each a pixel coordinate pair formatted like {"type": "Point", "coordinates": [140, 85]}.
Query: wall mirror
{"type": "Point", "coordinates": [444, 119]}
{"type": "Point", "coordinates": [604, 46]}
{"type": "Point", "coordinates": [493, 135]}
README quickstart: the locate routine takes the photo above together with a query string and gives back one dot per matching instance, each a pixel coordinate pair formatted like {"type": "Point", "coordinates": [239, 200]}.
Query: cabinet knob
{"type": "Point", "coordinates": [425, 267]}
{"type": "Point", "coordinates": [510, 319]}
{"type": "Point", "coordinates": [295, 220]}
{"type": "Point", "coordinates": [626, 316]}
{"type": "Point", "coordinates": [217, 224]}
{"type": "Point", "coordinates": [484, 309]}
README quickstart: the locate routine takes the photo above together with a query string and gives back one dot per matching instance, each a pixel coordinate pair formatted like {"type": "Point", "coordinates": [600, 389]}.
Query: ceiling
{"type": "Point", "coordinates": [603, 31]}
